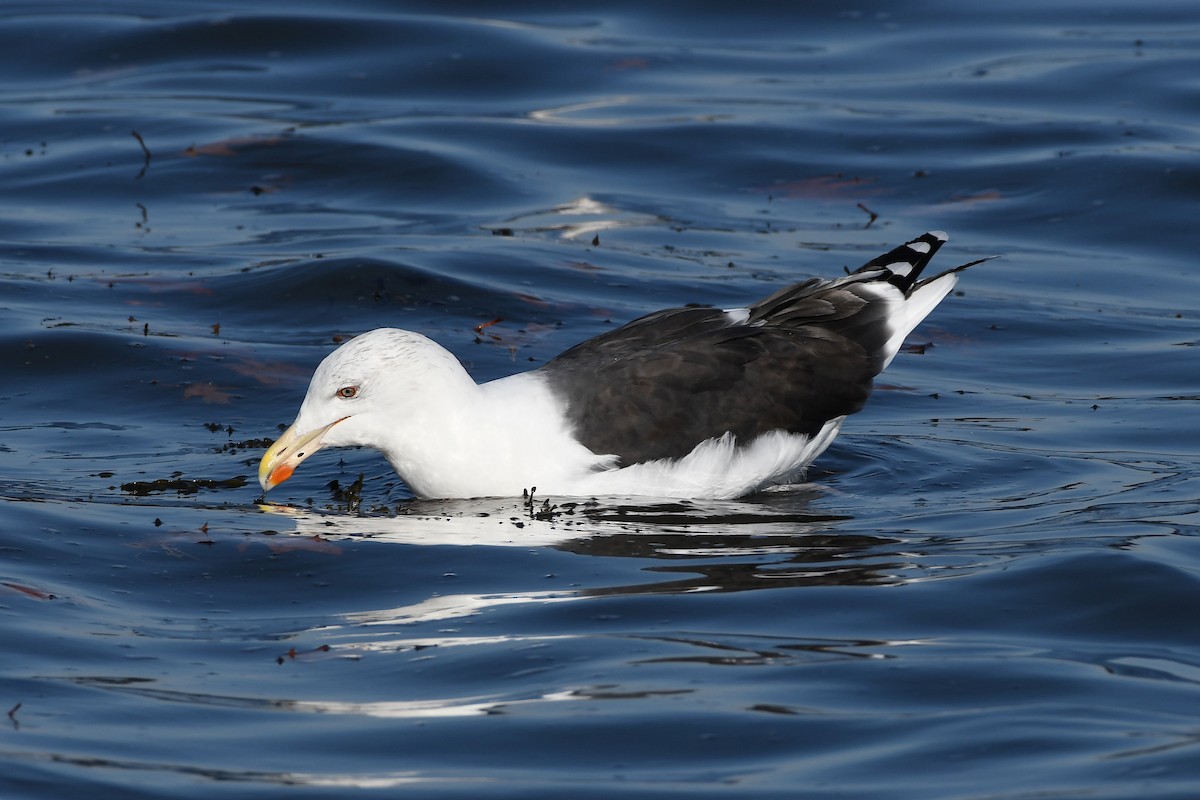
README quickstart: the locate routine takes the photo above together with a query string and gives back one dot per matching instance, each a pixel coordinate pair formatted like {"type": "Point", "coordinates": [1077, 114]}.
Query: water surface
{"type": "Point", "coordinates": [989, 589]}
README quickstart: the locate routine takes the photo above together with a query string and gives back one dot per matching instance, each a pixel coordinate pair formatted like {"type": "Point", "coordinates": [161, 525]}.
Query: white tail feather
{"type": "Point", "coordinates": [924, 298]}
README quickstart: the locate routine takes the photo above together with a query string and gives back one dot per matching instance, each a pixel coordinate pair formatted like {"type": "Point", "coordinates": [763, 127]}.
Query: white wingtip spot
{"type": "Point", "coordinates": [919, 247]}
{"type": "Point", "coordinates": [941, 236]}
{"type": "Point", "coordinates": [899, 267]}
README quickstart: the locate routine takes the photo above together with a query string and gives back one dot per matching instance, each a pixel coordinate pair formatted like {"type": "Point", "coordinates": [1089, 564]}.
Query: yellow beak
{"type": "Point", "coordinates": [282, 457]}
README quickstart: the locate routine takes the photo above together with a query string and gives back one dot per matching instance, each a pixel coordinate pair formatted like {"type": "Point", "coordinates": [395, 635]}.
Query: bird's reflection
{"type": "Point", "coordinates": [774, 541]}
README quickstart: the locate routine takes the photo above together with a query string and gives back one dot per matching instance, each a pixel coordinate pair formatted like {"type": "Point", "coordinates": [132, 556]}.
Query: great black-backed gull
{"type": "Point", "coordinates": [685, 402]}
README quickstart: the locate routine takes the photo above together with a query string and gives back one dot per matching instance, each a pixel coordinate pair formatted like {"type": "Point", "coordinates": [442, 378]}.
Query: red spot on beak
{"type": "Point", "coordinates": [281, 474]}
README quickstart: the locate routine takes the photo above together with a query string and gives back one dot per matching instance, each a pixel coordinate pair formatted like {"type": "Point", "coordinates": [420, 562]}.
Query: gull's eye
{"type": "Point", "coordinates": [348, 392]}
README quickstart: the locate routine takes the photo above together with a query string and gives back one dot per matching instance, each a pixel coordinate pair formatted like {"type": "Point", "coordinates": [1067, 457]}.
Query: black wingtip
{"type": "Point", "coordinates": [959, 268]}
{"type": "Point", "coordinates": [904, 264]}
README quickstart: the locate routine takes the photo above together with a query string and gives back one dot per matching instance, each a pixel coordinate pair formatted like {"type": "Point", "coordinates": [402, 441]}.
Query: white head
{"type": "Point", "coordinates": [367, 392]}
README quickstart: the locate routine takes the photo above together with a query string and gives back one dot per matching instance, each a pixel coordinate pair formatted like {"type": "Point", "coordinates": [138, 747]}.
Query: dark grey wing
{"type": "Point", "coordinates": [657, 387]}
{"type": "Point", "coordinates": [854, 306]}
{"type": "Point", "coordinates": [661, 398]}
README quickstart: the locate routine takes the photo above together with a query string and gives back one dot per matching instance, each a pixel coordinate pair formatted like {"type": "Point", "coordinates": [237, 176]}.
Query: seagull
{"type": "Point", "coordinates": [691, 402]}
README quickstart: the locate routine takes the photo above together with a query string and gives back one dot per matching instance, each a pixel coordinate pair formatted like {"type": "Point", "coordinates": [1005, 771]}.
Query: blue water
{"type": "Point", "coordinates": [991, 588]}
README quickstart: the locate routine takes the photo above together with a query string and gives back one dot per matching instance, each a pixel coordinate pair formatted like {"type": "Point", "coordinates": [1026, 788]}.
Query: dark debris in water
{"type": "Point", "coordinates": [304, 655]}
{"type": "Point", "coordinates": [351, 496]}
{"type": "Point", "coordinates": [181, 485]}
{"type": "Point", "coordinates": [29, 591]}
{"type": "Point", "coordinates": [247, 444]}
{"type": "Point", "coordinates": [545, 512]}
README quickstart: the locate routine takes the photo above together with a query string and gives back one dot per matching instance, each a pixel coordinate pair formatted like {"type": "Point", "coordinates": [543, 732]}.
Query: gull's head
{"type": "Point", "coordinates": [361, 394]}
